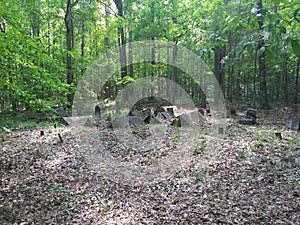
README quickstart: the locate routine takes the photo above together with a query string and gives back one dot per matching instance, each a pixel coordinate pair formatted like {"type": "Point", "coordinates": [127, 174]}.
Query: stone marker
{"type": "Point", "coordinates": [295, 124]}
{"type": "Point", "coordinates": [251, 113]}
{"type": "Point", "coordinates": [159, 118]}
{"type": "Point", "coordinates": [166, 115]}
{"type": "Point", "coordinates": [98, 111]}
{"type": "Point", "coordinates": [248, 120]}
{"type": "Point", "coordinates": [188, 118]}
{"type": "Point", "coordinates": [171, 111]}
{"type": "Point", "coordinates": [278, 135]}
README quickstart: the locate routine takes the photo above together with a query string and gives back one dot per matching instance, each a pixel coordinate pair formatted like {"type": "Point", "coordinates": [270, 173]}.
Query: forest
{"type": "Point", "coordinates": [149, 112]}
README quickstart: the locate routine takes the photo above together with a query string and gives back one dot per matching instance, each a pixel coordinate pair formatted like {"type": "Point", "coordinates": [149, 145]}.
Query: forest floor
{"type": "Point", "coordinates": [251, 177]}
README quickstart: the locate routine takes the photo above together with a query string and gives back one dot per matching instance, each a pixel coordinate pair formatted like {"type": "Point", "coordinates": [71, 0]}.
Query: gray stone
{"type": "Point", "coordinates": [188, 118]}
{"type": "Point", "coordinates": [60, 111]}
{"type": "Point", "coordinates": [251, 113]}
{"type": "Point", "coordinates": [295, 124]}
{"type": "Point", "coordinates": [98, 111]}
{"type": "Point", "coordinates": [201, 111]}
{"type": "Point", "coordinates": [248, 120]}
{"type": "Point", "coordinates": [170, 111]}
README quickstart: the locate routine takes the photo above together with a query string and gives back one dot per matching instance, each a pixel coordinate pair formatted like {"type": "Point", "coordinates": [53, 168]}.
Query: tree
{"type": "Point", "coordinates": [121, 38]}
{"type": "Point", "coordinates": [262, 56]}
{"type": "Point", "coordinates": [70, 46]}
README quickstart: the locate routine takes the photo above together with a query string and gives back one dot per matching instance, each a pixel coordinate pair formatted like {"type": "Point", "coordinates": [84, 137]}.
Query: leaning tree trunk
{"type": "Point", "coordinates": [261, 59]}
{"type": "Point", "coordinates": [70, 47]}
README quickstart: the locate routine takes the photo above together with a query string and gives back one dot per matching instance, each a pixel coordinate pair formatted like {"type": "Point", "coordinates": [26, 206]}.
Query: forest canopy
{"type": "Point", "coordinates": [253, 48]}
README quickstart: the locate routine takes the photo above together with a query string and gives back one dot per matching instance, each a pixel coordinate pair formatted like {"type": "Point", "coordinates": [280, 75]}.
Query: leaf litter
{"type": "Point", "coordinates": [252, 177]}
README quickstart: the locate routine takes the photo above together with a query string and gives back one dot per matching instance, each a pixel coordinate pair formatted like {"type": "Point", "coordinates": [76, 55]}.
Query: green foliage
{"type": "Point", "coordinates": [125, 80]}
{"type": "Point", "coordinates": [59, 188]}
{"type": "Point", "coordinates": [105, 207]}
{"type": "Point", "coordinates": [199, 176]}
{"type": "Point", "coordinates": [242, 154]}
{"type": "Point", "coordinates": [33, 48]}
{"type": "Point", "coordinates": [296, 47]}
{"type": "Point", "coordinates": [10, 123]}
{"type": "Point", "coordinates": [200, 145]}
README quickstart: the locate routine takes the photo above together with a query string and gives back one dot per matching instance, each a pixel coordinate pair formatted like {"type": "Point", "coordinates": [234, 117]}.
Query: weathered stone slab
{"type": "Point", "coordinates": [295, 124]}
{"type": "Point", "coordinates": [98, 111]}
{"type": "Point", "coordinates": [170, 110]}
{"type": "Point", "coordinates": [248, 120]}
{"type": "Point", "coordinates": [188, 118]}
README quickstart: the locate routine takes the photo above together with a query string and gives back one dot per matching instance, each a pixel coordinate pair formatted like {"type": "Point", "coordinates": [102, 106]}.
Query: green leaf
{"type": "Point", "coordinates": [262, 50]}
{"type": "Point", "coordinates": [296, 47]}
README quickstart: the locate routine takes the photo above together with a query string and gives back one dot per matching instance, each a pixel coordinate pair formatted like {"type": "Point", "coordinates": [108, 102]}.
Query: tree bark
{"type": "Point", "coordinates": [285, 79]}
{"type": "Point", "coordinates": [82, 43]}
{"type": "Point", "coordinates": [297, 80]}
{"type": "Point", "coordinates": [261, 58]}
{"type": "Point", "coordinates": [152, 70]}
{"type": "Point", "coordinates": [219, 72]}
{"type": "Point", "coordinates": [70, 47]}
{"type": "Point", "coordinates": [122, 40]}
{"type": "Point", "coordinates": [130, 51]}
{"type": "Point", "coordinates": [36, 20]}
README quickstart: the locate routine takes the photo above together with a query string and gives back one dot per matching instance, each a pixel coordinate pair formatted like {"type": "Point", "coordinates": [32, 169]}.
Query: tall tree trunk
{"type": "Point", "coordinates": [122, 40]}
{"type": "Point", "coordinates": [219, 72]}
{"type": "Point", "coordinates": [261, 58]}
{"type": "Point", "coordinates": [285, 79]}
{"type": "Point", "coordinates": [168, 71]}
{"type": "Point", "coordinates": [82, 43]}
{"type": "Point", "coordinates": [297, 80]}
{"type": "Point", "coordinates": [70, 47]}
{"type": "Point", "coordinates": [175, 72]}
{"type": "Point", "coordinates": [231, 67]}
{"type": "Point", "coordinates": [49, 38]}
{"type": "Point", "coordinates": [152, 70]}
{"type": "Point", "coordinates": [238, 93]}
{"type": "Point", "coordinates": [255, 74]}
{"type": "Point", "coordinates": [130, 52]}
{"type": "Point", "coordinates": [36, 20]}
